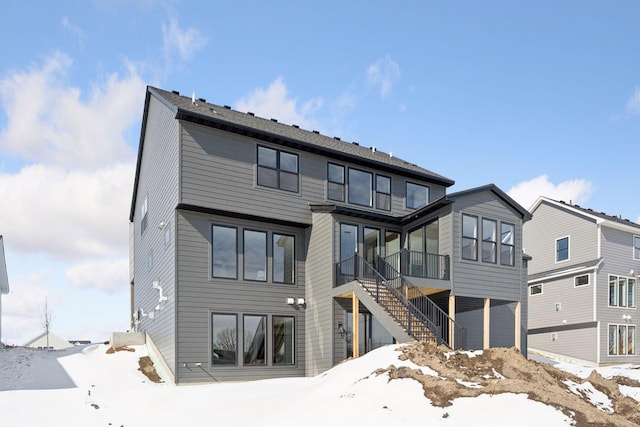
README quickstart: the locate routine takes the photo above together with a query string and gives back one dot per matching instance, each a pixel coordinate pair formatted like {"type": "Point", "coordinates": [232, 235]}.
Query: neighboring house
{"type": "Point", "coordinates": [582, 283]}
{"type": "Point", "coordinates": [4, 281]}
{"type": "Point", "coordinates": [255, 245]}
{"type": "Point", "coordinates": [49, 341]}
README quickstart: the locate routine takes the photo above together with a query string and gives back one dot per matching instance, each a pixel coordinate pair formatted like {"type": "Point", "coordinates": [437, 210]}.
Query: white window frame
{"type": "Point", "coordinates": [536, 285]}
{"type": "Point", "coordinates": [575, 280]}
{"type": "Point", "coordinates": [555, 248]}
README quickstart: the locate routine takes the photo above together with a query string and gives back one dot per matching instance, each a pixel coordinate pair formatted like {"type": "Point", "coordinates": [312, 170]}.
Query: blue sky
{"type": "Point", "coordinates": [540, 98]}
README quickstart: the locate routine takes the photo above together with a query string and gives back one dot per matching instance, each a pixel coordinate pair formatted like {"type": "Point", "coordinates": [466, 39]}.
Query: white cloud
{"type": "Point", "coordinates": [67, 213]}
{"type": "Point", "coordinates": [578, 191]}
{"type": "Point", "coordinates": [103, 274]}
{"type": "Point", "coordinates": [383, 74]}
{"type": "Point", "coordinates": [274, 102]}
{"type": "Point", "coordinates": [74, 30]}
{"type": "Point", "coordinates": [49, 122]}
{"type": "Point", "coordinates": [633, 104]}
{"type": "Point", "coordinates": [184, 42]}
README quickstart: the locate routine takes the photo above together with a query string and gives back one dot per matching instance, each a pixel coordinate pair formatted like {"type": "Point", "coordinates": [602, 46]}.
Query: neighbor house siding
{"type": "Point", "coordinates": [159, 184]}
{"type": "Point", "coordinates": [540, 238]}
{"type": "Point", "coordinates": [200, 295]}
{"type": "Point", "coordinates": [320, 304]}
{"type": "Point", "coordinates": [575, 303]}
{"type": "Point", "coordinates": [569, 343]}
{"type": "Point", "coordinates": [480, 279]}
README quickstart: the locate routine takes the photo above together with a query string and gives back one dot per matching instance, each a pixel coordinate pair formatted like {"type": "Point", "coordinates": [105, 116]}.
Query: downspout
{"type": "Point", "coordinates": [595, 293]}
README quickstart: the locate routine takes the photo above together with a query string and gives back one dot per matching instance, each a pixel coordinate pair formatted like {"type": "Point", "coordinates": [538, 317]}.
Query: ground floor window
{"type": "Point", "coordinates": [622, 340]}
{"type": "Point", "coordinates": [224, 333]}
{"type": "Point", "coordinates": [258, 333]}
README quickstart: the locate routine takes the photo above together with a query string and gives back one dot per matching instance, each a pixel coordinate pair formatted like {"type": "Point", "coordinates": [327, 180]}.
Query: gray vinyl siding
{"type": "Point", "coordinates": [571, 343]}
{"type": "Point", "coordinates": [502, 324]}
{"type": "Point", "coordinates": [219, 171]}
{"type": "Point", "coordinates": [470, 315]}
{"type": "Point", "coordinates": [159, 183]}
{"type": "Point", "coordinates": [320, 304]}
{"type": "Point", "coordinates": [576, 303]}
{"type": "Point", "coordinates": [476, 278]}
{"type": "Point", "coordinates": [616, 250]}
{"type": "Point", "coordinates": [550, 223]}
{"type": "Point", "coordinates": [200, 296]}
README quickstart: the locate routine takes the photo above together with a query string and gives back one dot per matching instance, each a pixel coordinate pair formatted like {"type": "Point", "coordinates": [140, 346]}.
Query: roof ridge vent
{"type": "Point", "coordinates": [202, 100]}
{"type": "Point", "coordinates": [315, 131]}
{"type": "Point", "coordinates": [355, 143]}
{"type": "Point", "coordinates": [250, 113]}
{"type": "Point", "coordinates": [227, 107]}
{"type": "Point", "coordinates": [175, 92]}
{"type": "Point", "coordinates": [296, 126]}
{"type": "Point", "coordinates": [337, 138]}
{"type": "Point", "coordinates": [274, 120]}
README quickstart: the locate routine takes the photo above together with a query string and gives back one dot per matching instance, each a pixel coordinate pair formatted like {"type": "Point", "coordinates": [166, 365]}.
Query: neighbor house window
{"type": "Point", "coordinates": [335, 182]}
{"type": "Point", "coordinates": [224, 252]}
{"type": "Point", "coordinates": [144, 210]}
{"type": "Point", "coordinates": [562, 249]}
{"type": "Point", "coordinates": [255, 255]}
{"type": "Point", "coordinates": [255, 340]}
{"type": "Point", "coordinates": [622, 291]}
{"type": "Point", "coordinates": [283, 258]}
{"type": "Point", "coordinates": [277, 169]}
{"type": "Point", "coordinates": [535, 289]}
{"type": "Point", "coordinates": [636, 247]}
{"type": "Point", "coordinates": [283, 340]}
{"type": "Point", "coordinates": [224, 339]}
{"type": "Point", "coordinates": [383, 192]}
{"type": "Point", "coordinates": [360, 185]}
{"type": "Point", "coordinates": [489, 240]}
{"type": "Point", "coordinates": [581, 280]}
{"type": "Point", "coordinates": [417, 195]}
{"type": "Point", "coordinates": [507, 244]}
{"type": "Point", "coordinates": [469, 237]}
{"type": "Point", "coordinates": [622, 340]}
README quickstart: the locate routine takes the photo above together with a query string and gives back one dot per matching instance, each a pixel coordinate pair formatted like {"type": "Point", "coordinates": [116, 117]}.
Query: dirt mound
{"type": "Point", "coordinates": [146, 367]}
{"type": "Point", "coordinates": [112, 350]}
{"type": "Point", "coordinates": [505, 370]}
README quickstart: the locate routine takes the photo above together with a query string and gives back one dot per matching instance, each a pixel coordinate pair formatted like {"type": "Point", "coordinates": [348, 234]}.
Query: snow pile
{"type": "Point", "coordinates": [85, 386]}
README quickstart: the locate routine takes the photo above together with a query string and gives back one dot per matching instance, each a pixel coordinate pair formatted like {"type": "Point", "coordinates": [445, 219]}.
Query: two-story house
{"type": "Point", "coordinates": [260, 250]}
{"type": "Point", "coordinates": [582, 283]}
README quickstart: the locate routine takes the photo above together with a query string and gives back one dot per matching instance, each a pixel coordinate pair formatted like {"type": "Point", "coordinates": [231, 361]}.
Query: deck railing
{"type": "Point", "coordinates": [420, 264]}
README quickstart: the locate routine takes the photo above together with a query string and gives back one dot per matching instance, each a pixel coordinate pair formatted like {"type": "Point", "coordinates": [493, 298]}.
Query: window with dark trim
{"type": "Point", "coordinates": [360, 185]}
{"type": "Point", "coordinates": [507, 243]}
{"type": "Point", "coordinates": [489, 240]}
{"type": "Point", "coordinates": [144, 210]}
{"type": "Point", "coordinates": [255, 255]}
{"type": "Point", "coordinates": [562, 249]}
{"type": "Point", "coordinates": [469, 237]}
{"type": "Point", "coordinates": [255, 339]}
{"type": "Point", "coordinates": [335, 182]}
{"type": "Point", "coordinates": [277, 169]}
{"type": "Point", "coordinates": [224, 339]}
{"type": "Point", "coordinates": [283, 258]}
{"type": "Point", "coordinates": [636, 247]}
{"type": "Point", "coordinates": [283, 340]}
{"type": "Point", "coordinates": [383, 192]}
{"type": "Point", "coordinates": [535, 289]}
{"type": "Point", "coordinates": [224, 252]}
{"type": "Point", "coordinates": [417, 195]}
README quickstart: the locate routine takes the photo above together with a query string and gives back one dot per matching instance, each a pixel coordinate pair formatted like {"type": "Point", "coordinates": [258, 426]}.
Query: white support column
{"type": "Point", "coordinates": [518, 324]}
{"type": "Point", "coordinates": [486, 335]}
{"type": "Point", "coordinates": [355, 336]}
{"type": "Point", "coordinates": [452, 315]}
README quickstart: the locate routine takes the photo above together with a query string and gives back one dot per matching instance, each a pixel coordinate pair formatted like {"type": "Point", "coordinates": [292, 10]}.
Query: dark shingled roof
{"type": "Point", "coordinates": [223, 117]}
{"type": "Point", "coordinates": [602, 215]}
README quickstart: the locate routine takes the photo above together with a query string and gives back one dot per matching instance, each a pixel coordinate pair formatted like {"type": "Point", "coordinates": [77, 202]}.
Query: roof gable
{"type": "Point", "coordinates": [524, 214]}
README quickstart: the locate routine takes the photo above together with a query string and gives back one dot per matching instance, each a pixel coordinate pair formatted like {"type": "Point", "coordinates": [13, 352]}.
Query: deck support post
{"type": "Point", "coordinates": [355, 336]}
{"type": "Point", "coordinates": [518, 314]}
{"type": "Point", "coordinates": [486, 333]}
{"type": "Point", "coordinates": [452, 317]}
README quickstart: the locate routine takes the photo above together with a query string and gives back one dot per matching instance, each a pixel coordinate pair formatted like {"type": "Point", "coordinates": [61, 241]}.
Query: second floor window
{"type": "Point", "coordinates": [469, 237]}
{"type": "Point", "coordinates": [562, 249]}
{"type": "Point", "coordinates": [144, 210]}
{"type": "Point", "coordinates": [417, 195]}
{"type": "Point", "coordinates": [636, 247]}
{"type": "Point", "coordinates": [489, 240]}
{"type": "Point", "coordinates": [507, 244]}
{"type": "Point", "coordinates": [383, 192]}
{"type": "Point", "coordinates": [335, 182]}
{"type": "Point", "coordinates": [277, 169]}
{"type": "Point", "coordinates": [360, 185]}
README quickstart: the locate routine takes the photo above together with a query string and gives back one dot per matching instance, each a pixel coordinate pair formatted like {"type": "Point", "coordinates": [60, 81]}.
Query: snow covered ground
{"type": "Point", "coordinates": [85, 386]}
